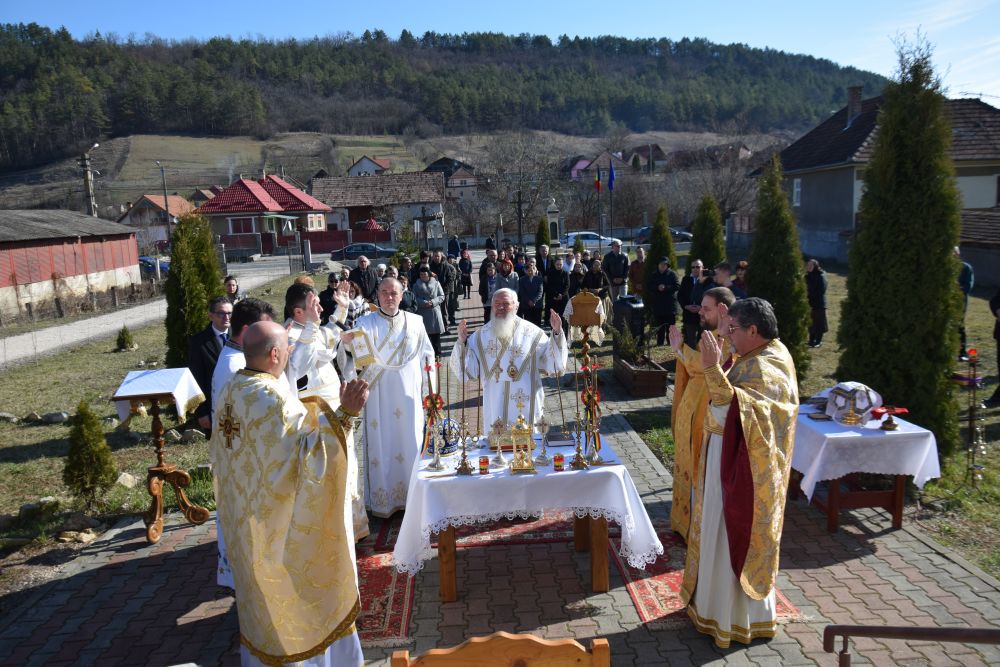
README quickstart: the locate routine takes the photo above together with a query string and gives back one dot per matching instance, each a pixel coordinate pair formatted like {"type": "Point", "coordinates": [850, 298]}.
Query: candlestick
{"type": "Point", "coordinates": [447, 395]}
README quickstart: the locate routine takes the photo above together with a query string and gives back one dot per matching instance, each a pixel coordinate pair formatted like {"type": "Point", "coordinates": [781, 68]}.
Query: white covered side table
{"type": "Point", "coordinates": [828, 450]}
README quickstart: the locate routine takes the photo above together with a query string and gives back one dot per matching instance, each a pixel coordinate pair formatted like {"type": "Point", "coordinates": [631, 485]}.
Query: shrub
{"type": "Point", "coordinates": [709, 243]}
{"type": "Point", "coordinates": [660, 245]}
{"type": "Point", "coordinates": [125, 340]}
{"type": "Point", "coordinates": [542, 236]}
{"type": "Point", "coordinates": [194, 279]}
{"type": "Point", "coordinates": [90, 468]}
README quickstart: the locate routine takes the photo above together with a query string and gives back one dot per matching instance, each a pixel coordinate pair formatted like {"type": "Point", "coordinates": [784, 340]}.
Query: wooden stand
{"type": "Point", "coordinates": [169, 473]}
{"type": "Point", "coordinates": [838, 499]}
{"type": "Point", "coordinates": [588, 535]}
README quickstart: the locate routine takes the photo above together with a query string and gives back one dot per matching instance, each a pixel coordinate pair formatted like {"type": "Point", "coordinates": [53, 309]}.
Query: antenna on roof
{"type": "Point", "coordinates": [979, 95]}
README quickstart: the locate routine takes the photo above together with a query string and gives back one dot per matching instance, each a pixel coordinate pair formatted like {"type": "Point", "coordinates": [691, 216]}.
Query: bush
{"type": "Point", "coordinates": [90, 468]}
{"type": "Point", "coordinates": [899, 325]}
{"type": "Point", "coordinates": [193, 281]}
{"type": "Point", "coordinates": [626, 347]}
{"type": "Point", "coordinates": [125, 340]}
{"type": "Point", "coordinates": [542, 234]}
{"type": "Point", "coordinates": [777, 273]}
{"type": "Point", "coordinates": [660, 245]}
{"type": "Point", "coordinates": [578, 245]}
{"type": "Point", "coordinates": [709, 243]}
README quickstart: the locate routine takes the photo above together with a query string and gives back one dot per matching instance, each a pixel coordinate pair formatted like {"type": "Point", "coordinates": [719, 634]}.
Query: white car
{"type": "Point", "coordinates": [591, 240]}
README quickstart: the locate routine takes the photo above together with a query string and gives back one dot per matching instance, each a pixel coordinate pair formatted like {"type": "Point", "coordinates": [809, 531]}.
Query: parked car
{"type": "Point", "coordinates": [591, 240]}
{"type": "Point", "coordinates": [678, 235]}
{"type": "Point", "coordinates": [147, 266]}
{"type": "Point", "coordinates": [369, 250]}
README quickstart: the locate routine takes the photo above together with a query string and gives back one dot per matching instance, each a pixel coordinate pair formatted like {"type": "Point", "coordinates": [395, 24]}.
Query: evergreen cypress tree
{"type": "Point", "coordinates": [542, 236]}
{"type": "Point", "coordinates": [89, 468]}
{"type": "Point", "coordinates": [578, 245]}
{"type": "Point", "coordinates": [194, 279]}
{"type": "Point", "coordinates": [898, 328]}
{"type": "Point", "coordinates": [709, 243]}
{"type": "Point", "coordinates": [776, 270]}
{"type": "Point", "coordinates": [660, 245]}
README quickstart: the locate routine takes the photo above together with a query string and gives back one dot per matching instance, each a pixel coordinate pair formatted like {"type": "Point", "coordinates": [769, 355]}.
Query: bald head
{"type": "Point", "coordinates": [265, 345]}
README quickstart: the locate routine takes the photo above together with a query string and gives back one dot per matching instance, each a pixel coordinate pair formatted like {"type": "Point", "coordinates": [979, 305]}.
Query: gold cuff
{"type": "Point", "coordinates": [719, 389]}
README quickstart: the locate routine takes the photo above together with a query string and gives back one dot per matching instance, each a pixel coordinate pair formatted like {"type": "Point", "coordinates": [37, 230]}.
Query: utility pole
{"type": "Point", "coordinates": [520, 220]}
{"type": "Point", "coordinates": [88, 183]}
{"type": "Point", "coordinates": [166, 202]}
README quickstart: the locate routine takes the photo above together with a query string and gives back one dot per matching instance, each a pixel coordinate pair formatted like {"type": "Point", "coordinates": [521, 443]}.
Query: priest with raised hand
{"type": "Point", "coordinates": [509, 355]}
{"type": "Point", "coordinates": [687, 415]}
{"type": "Point", "coordinates": [389, 349]}
{"type": "Point", "coordinates": [739, 499]}
{"type": "Point", "coordinates": [282, 471]}
{"type": "Point", "coordinates": [311, 370]}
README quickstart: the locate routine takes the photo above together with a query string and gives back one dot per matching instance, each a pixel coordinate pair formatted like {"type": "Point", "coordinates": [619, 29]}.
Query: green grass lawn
{"type": "Point", "coordinates": [31, 456]}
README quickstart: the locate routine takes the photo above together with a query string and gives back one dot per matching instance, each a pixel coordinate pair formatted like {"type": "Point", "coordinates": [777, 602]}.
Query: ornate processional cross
{"type": "Point", "coordinates": [229, 426]}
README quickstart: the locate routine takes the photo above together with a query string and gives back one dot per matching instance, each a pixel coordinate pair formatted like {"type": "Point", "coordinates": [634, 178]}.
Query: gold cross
{"type": "Point", "coordinates": [398, 413]}
{"type": "Point", "coordinates": [229, 426]}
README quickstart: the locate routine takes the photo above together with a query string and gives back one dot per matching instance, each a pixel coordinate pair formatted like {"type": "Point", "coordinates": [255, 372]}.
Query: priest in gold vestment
{"type": "Point", "coordinates": [739, 498]}
{"type": "Point", "coordinates": [687, 415]}
{"type": "Point", "coordinates": [282, 465]}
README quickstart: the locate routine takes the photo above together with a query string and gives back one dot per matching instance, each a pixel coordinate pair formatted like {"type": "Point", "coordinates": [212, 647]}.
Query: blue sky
{"type": "Point", "coordinates": [965, 34]}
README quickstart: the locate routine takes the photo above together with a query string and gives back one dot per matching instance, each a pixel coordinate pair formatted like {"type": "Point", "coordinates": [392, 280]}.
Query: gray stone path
{"type": "Point", "coordinates": [123, 602]}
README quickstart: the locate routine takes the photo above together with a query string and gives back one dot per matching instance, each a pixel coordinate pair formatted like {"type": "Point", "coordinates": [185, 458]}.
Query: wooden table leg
{"type": "Point", "coordinates": [898, 495]}
{"type": "Point", "coordinates": [446, 564]}
{"type": "Point", "coordinates": [581, 534]}
{"type": "Point", "coordinates": [833, 506]}
{"type": "Point", "coordinates": [599, 555]}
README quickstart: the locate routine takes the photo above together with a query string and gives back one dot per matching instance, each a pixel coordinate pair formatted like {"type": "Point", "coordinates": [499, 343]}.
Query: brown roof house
{"type": "Point", "coordinates": [149, 218]}
{"type": "Point", "coordinates": [392, 199]}
{"type": "Point", "coordinates": [824, 175]}
{"type": "Point", "coordinates": [369, 166]}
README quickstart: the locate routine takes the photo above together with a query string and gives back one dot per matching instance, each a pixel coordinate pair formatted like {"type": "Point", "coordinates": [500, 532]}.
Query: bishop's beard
{"type": "Point", "coordinates": [503, 326]}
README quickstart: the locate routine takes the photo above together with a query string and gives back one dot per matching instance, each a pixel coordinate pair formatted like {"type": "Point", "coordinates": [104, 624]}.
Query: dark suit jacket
{"type": "Point", "coordinates": [203, 353]}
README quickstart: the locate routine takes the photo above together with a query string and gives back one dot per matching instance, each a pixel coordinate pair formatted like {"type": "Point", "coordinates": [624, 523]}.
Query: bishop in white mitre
{"type": "Point", "coordinates": [510, 355]}
{"type": "Point", "coordinates": [389, 349]}
{"type": "Point", "coordinates": [310, 369]}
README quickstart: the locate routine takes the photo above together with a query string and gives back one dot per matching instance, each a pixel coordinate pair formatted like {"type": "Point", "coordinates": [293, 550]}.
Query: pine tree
{"type": "Point", "coordinates": [578, 245]}
{"type": "Point", "coordinates": [89, 468]}
{"type": "Point", "coordinates": [125, 340]}
{"type": "Point", "coordinates": [776, 269]}
{"type": "Point", "coordinates": [709, 243]}
{"type": "Point", "coordinates": [660, 245]}
{"type": "Point", "coordinates": [542, 234]}
{"type": "Point", "coordinates": [194, 279]}
{"type": "Point", "coordinates": [899, 324]}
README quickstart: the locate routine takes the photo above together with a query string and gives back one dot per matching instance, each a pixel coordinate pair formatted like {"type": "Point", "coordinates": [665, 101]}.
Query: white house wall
{"type": "Point", "coordinates": [14, 299]}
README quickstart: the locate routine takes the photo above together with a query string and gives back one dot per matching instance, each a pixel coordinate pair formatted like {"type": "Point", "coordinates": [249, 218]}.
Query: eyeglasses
{"type": "Point", "coordinates": [734, 327]}
{"type": "Point", "coordinates": [226, 313]}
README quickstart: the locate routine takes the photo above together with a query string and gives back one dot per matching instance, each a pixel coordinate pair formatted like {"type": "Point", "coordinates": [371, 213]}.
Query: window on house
{"type": "Point", "coordinates": [797, 192]}
{"type": "Point", "coordinates": [316, 222]}
{"type": "Point", "coordinates": [241, 225]}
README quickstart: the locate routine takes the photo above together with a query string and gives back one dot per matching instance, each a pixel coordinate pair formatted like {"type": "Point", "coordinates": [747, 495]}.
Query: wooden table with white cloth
{"type": "Point", "coordinates": [437, 502]}
{"type": "Point", "coordinates": [830, 451]}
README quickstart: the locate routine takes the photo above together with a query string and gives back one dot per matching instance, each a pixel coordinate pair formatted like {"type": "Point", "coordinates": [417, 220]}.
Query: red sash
{"type": "Point", "coordinates": [737, 488]}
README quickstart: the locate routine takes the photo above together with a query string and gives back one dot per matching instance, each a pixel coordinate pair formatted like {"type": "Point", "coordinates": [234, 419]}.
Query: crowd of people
{"type": "Point", "coordinates": [342, 383]}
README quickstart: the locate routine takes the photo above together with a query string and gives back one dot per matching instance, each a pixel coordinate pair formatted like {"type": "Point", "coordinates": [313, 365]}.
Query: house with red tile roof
{"type": "Point", "coordinates": [824, 176]}
{"type": "Point", "coordinates": [369, 166]}
{"type": "Point", "coordinates": [265, 213]}
{"type": "Point", "coordinates": [149, 218]}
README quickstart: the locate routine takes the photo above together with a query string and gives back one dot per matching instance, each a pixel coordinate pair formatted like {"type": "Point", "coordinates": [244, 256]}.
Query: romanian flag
{"type": "Point", "coordinates": [597, 181]}
{"type": "Point", "coordinates": [611, 178]}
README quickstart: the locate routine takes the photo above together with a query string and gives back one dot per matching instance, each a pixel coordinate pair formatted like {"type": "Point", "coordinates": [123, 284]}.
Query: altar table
{"type": "Point", "coordinates": [829, 450]}
{"type": "Point", "coordinates": [438, 502]}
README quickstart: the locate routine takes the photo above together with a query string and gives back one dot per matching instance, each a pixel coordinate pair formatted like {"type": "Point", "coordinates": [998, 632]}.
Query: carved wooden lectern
{"type": "Point", "coordinates": [168, 384]}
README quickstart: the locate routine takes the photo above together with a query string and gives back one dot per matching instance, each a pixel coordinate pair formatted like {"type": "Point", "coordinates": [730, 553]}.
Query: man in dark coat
{"type": "Point", "coordinates": [557, 288]}
{"type": "Point", "coordinates": [661, 295]}
{"type": "Point", "coordinates": [616, 267]}
{"type": "Point", "coordinates": [365, 277]}
{"type": "Point", "coordinates": [691, 309]}
{"type": "Point", "coordinates": [203, 353]}
{"type": "Point", "coordinates": [816, 293]}
{"type": "Point", "coordinates": [326, 301]}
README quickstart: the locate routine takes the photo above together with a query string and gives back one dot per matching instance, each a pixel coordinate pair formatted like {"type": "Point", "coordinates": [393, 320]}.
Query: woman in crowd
{"type": "Point", "coordinates": [356, 307]}
{"type": "Point", "coordinates": [465, 267]}
{"type": "Point", "coordinates": [430, 295]}
{"type": "Point", "coordinates": [816, 291]}
{"type": "Point", "coordinates": [487, 286]}
{"type": "Point", "coordinates": [576, 279]}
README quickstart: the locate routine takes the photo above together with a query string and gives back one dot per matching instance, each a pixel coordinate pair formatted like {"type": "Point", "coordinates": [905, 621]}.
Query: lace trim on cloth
{"type": "Point", "coordinates": [637, 559]}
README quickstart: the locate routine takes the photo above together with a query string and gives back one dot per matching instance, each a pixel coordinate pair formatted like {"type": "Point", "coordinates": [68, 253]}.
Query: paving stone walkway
{"type": "Point", "coordinates": [123, 602]}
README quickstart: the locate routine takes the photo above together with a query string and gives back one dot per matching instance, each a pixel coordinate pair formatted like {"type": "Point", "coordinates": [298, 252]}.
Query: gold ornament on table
{"type": "Point", "coordinates": [496, 438]}
{"type": "Point", "coordinates": [543, 428]}
{"type": "Point", "coordinates": [578, 462]}
{"type": "Point", "coordinates": [846, 400]}
{"type": "Point", "coordinates": [464, 467]}
{"type": "Point", "coordinates": [522, 445]}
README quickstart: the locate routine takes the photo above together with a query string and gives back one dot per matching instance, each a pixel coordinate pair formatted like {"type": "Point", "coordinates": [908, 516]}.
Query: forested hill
{"type": "Point", "coordinates": [57, 94]}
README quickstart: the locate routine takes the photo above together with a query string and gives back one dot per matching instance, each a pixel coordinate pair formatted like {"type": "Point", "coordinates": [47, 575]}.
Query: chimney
{"type": "Point", "coordinates": [853, 104]}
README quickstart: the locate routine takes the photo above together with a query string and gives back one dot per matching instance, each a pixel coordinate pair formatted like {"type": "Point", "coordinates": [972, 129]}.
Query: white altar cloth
{"type": "Point", "coordinates": [434, 502]}
{"type": "Point", "coordinates": [827, 450]}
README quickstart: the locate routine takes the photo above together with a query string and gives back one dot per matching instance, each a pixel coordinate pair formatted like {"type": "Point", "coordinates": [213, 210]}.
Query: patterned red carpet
{"type": "Point", "coordinates": [387, 596]}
